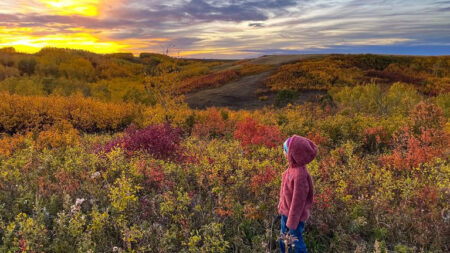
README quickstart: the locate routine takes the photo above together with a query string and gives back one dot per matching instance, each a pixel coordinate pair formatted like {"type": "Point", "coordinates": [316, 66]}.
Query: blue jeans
{"type": "Point", "coordinates": [300, 246]}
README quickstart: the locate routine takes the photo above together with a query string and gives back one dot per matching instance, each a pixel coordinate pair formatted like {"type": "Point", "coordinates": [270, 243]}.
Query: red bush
{"type": "Point", "coordinates": [260, 180]}
{"type": "Point", "coordinates": [153, 176]}
{"type": "Point", "coordinates": [427, 115]}
{"type": "Point", "coordinates": [249, 132]}
{"type": "Point", "coordinates": [375, 138]}
{"type": "Point", "coordinates": [322, 200]}
{"type": "Point", "coordinates": [410, 151]}
{"type": "Point", "coordinates": [420, 141]}
{"type": "Point", "coordinates": [213, 126]}
{"type": "Point", "coordinates": [161, 141]}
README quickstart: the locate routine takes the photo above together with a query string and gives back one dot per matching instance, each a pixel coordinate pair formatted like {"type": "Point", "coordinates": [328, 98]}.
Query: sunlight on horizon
{"type": "Point", "coordinates": [23, 41]}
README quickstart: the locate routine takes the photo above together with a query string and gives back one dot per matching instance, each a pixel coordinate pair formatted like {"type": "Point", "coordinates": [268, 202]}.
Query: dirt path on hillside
{"type": "Point", "coordinates": [244, 93]}
{"type": "Point", "coordinates": [238, 94]}
{"type": "Point", "coordinates": [241, 94]}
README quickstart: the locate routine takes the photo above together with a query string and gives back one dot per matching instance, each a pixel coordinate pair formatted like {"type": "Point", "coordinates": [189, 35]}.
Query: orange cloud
{"type": "Point", "coordinates": [73, 7]}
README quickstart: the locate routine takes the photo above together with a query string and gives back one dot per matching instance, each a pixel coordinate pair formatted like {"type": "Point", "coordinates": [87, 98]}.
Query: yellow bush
{"type": "Point", "coordinates": [10, 144]}
{"type": "Point", "coordinates": [61, 134]}
{"type": "Point", "coordinates": [19, 113]}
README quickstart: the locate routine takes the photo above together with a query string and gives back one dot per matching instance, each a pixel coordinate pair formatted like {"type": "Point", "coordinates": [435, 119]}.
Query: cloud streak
{"type": "Point", "coordinates": [236, 28]}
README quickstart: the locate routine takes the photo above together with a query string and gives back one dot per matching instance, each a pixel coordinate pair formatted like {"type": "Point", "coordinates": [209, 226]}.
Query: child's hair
{"type": "Point", "coordinates": [286, 144]}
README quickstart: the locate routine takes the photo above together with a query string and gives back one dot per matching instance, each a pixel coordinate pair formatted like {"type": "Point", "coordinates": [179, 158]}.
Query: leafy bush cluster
{"type": "Point", "coordinates": [209, 180]}
{"type": "Point", "coordinates": [161, 141]}
{"type": "Point", "coordinates": [429, 74]}
{"type": "Point", "coordinates": [21, 113]}
{"type": "Point", "coordinates": [207, 81]}
{"type": "Point", "coordinates": [110, 78]}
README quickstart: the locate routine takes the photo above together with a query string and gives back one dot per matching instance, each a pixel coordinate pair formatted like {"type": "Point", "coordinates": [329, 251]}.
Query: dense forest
{"type": "Point", "coordinates": [100, 153]}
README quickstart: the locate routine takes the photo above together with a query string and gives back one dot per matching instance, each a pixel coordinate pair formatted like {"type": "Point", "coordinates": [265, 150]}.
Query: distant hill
{"type": "Point", "coordinates": [250, 83]}
{"type": "Point", "coordinates": [300, 78]}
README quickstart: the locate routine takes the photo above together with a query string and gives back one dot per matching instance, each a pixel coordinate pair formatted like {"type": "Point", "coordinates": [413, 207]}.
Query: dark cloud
{"type": "Point", "coordinates": [256, 24]}
{"type": "Point", "coordinates": [200, 9]}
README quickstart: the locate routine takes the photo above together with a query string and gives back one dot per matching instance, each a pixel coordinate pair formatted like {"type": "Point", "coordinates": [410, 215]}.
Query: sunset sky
{"type": "Point", "coordinates": [228, 28]}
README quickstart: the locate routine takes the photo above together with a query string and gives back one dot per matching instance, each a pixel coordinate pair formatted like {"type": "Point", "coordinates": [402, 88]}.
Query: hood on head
{"type": "Point", "coordinates": [301, 151]}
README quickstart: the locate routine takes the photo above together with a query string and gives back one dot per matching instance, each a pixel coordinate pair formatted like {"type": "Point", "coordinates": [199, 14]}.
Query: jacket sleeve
{"type": "Point", "coordinates": [299, 195]}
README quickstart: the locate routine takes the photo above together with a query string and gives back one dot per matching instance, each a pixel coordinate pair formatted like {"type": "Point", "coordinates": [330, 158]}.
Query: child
{"type": "Point", "coordinates": [296, 192]}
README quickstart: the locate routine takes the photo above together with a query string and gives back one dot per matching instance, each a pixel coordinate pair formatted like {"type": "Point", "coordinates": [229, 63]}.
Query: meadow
{"type": "Point", "coordinates": [100, 153]}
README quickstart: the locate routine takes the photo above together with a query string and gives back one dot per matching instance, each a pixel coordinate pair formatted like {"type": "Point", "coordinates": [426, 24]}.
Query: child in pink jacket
{"type": "Point", "coordinates": [296, 192]}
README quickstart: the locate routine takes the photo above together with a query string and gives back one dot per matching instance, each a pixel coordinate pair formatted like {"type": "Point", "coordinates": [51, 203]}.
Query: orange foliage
{"type": "Point", "coordinates": [317, 138]}
{"type": "Point", "coordinates": [429, 74]}
{"type": "Point", "coordinates": [207, 81]}
{"type": "Point", "coordinates": [19, 113]}
{"type": "Point", "coordinates": [10, 144]}
{"type": "Point", "coordinates": [411, 151]}
{"type": "Point", "coordinates": [213, 125]}
{"type": "Point", "coordinates": [224, 207]}
{"type": "Point", "coordinates": [375, 138]}
{"type": "Point", "coordinates": [251, 212]}
{"type": "Point", "coordinates": [258, 181]}
{"type": "Point", "coordinates": [249, 132]}
{"type": "Point", "coordinates": [65, 182]}
{"type": "Point", "coordinates": [422, 140]}
{"type": "Point", "coordinates": [427, 115]}
{"type": "Point", "coordinates": [317, 73]}
{"type": "Point", "coordinates": [59, 135]}
{"type": "Point", "coordinates": [322, 200]}
{"type": "Point", "coordinates": [154, 176]}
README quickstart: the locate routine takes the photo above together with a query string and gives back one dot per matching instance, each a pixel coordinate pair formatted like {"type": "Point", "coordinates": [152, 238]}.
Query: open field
{"type": "Point", "coordinates": [117, 153]}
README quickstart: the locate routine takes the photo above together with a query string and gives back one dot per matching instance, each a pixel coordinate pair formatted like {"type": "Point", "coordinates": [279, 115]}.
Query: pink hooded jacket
{"type": "Point", "coordinates": [296, 192]}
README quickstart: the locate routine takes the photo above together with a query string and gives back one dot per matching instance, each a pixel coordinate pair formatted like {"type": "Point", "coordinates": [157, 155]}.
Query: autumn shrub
{"type": "Point", "coordinates": [316, 73]}
{"type": "Point", "coordinates": [252, 69]}
{"type": "Point", "coordinates": [429, 75]}
{"type": "Point", "coordinates": [262, 180]}
{"type": "Point", "coordinates": [375, 139]}
{"type": "Point", "coordinates": [421, 141]}
{"type": "Point", "coordinates": [340, 128]}
{"type": "Point", "coordinates": [153, 175]}
{"type": "Point", "coordinates": [435, 86]}
{"type": "Point", "coordinates": [59, 135]}
{"type": "Point", "coordinates": [322, 141]}
{"type": "Point", "coordinates": [396, 73]}
{"type": "Point", "coordinates": [11, 144]}
{"type": "Point", "coordinates": [161, 141]}
{"type": "Point", "coordinates": [211, 80]}
{"type": "Point", "coordinates": [443, 101]}
{"type": "Point", "coordinates": [399, 98]}
{"type": "Point", "coordinates": [223, 195]}
{"type": "Point", "coordinates": [211, 123]}
{"type": "Point", "coordinates": [427, 116]}
{"type": "Point", "coordinates": [25, 234]}
{"type": "Point", "coordinates": [249, 133]}
{"type": "Point", "coordinates": [20, 113]}
{"type": "Point", "coordinates": [411, 151]}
